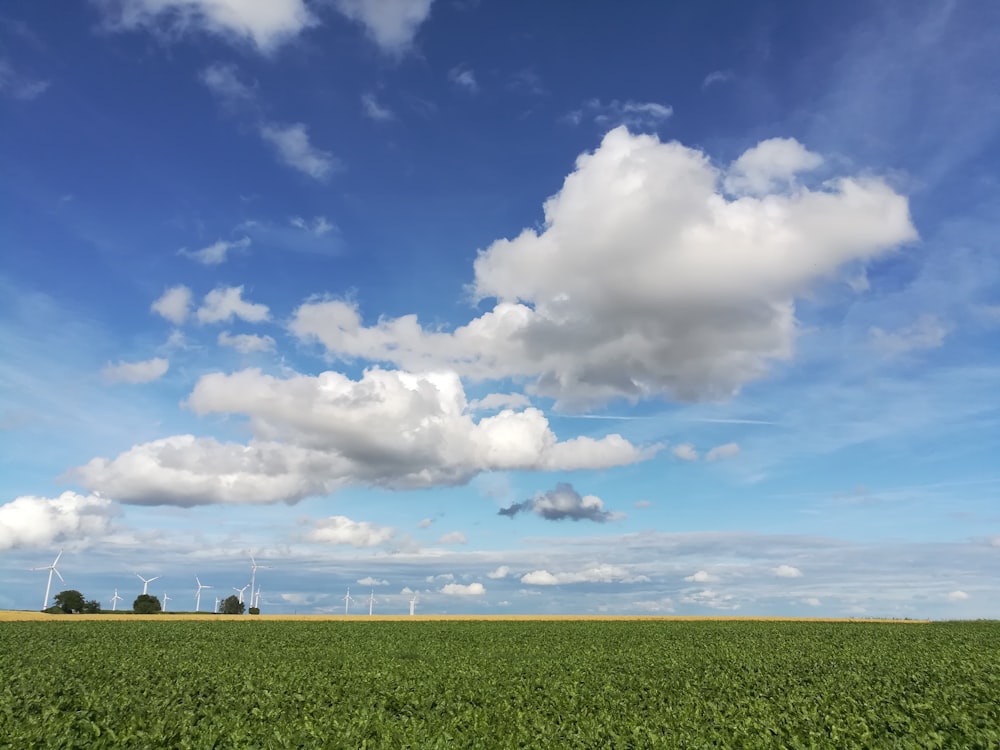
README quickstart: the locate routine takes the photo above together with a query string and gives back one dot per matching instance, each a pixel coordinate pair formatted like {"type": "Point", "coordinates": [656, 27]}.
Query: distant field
{"type": "Point", "coordinates": [435, 683]}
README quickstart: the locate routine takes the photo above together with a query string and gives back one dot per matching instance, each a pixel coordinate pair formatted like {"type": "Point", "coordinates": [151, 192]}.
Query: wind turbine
{"type": "Point", "coordinates": [413, 603]}
{"type": "Point", "coordinates": [165, 600]}
{"type": "Point", "coordinates": [253, 575]}
{"type": "Point", "coordinates": [216, 610]}
{"type": "Point", "coordinates": [146, 582]}
{"type": "Point", "coordinates": [256, 599]}
{"type": "Point", "coordinates": [347, 601]}
{"type": "Point", "coordinates": [371, 602]}
{"type": "Point", "coordinates": [52, 569]}
{"type": "Point", "coordinates": [114, 601]}
{"type": "Point", "coordinates": [197, 596]}
{"type": "Point", "coordinates": [242, 590]}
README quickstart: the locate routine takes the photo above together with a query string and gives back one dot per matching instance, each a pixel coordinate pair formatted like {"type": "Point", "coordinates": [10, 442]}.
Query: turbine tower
{"type": "Point", "coordinates": [347, 601]}
{"type": "Point", "coordinates": [114, 601]}
{"type": "Point", "coordinates": [197, 596]}
{"type": "Point", "coordinates": [253, 575]}
{"type": "Point", "coordinates": [413, 603]}
{"type": "Point", "coordinates": [371, 602]}
{"type": "Point", "coordinates": [165, 600]}
{"type": "Point", "coordinates": [146, 582]}
{"type": "Point", "coordinates": [256, 599]}
{"type": "Point", "coordinates": [48, 586]}
{"type": "Point", "coordinates": [216, 610]}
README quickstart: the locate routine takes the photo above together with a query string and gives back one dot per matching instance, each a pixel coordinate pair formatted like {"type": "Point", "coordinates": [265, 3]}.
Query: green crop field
{"type": "Point", "coordinates": [422, 684]}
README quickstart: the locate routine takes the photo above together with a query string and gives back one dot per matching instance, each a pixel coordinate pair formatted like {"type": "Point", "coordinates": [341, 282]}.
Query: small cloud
{"type": "Point", "coordinates": [926, 333]}
{"type": "Point", "coordinates": [812, 601]}
{"type": "Point", "coordinates": [562, 503]}
{"type": "Point", "coordinates": [716, 77]}
{"type": "Point", "coordinates": [425, 523]}
{"type": "Point", "coordinates": [711, 598]}
{"type": "Point", "coordinates": [18, 86]}
{"type": "Point", "coordinates": [786, 571]}
{"type": "Point", "coordinates": [136, 372]}
{"type": "Point", "coordinates": [526, 81]}
{"type": "Point", "coordinates": [246, 343]}
{"type": "Point", "coordinates": [294, 149]}
{"type": "Point", "coordinates": [440, 577]}
{"type": "Point", "coordinates": [654, 605]}
{"type": "Point", "coordinates": [602, 573]}
{"type": "Point", "coordinates": [539, 578]}
{"type": "Point", "coordinates": [702, 576]}
{"type": "Point", "coordinates": [636, 115]}
{"type": "Point", "coordinates": [215, 254]}
{"type": "Point", "coordinates": [454, 537]}
{"type": "Point", "coordinates": [463, 78]}
{"type": "Point", "coordinates": [502, 572]}
{"type": "Point", "coordinates": [223, 80]}
{"type": "Point", "coordinates": [369, 581]}
{"type": "Point", "coordinates": [342, 530]}
{"type": "Point", "coordinates": [174, 304]}
{"type": "Point", "coordinates": [642, 504]}
{"type": "Point", "coordinates": [319, 226]}
{"type": "Point", "coordinates": [722, 452]}
{"type": "Point", "coordinates": [391, 25]}
{"type": "Point", "coordinates": [375, 111]}
{"type": "Point", "coordinates": [458, 589]}
{"type": "Point", "coordinates": [225, 303]}
{"type": "Point", "coordinates": [685, 452]}
{"type": "Point", "coordinates": [958, 596]}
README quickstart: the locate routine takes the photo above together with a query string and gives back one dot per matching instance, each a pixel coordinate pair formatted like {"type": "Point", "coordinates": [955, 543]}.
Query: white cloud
{"type": "Point", "coordinates": [19, 86]}
{"type": "Point", "coordinates": [702, 576]}
{"type": "Point", "coordinates": [223, 80]}
{"type": "Point", "coordinates": [375, 111]}
{"type": "Point", "coordinates": [685, 452]}
{"type": "Point", "coordinates": [246, 343]}
{"type": "Point", "coordinates": [716, 77]}
{"type": "Point", "coordinates": [787, 571]}
{"type": "Point", "coordinates": [225, 303]}
{"type": "Point", "coordinates": [926, 333]}
{"type": "Point", "coordinates": [319, 225]}
{"type": "Point", "coordinates": [454, 537]}
{"type": "Point", "coordinates": [316, 434]}
{"type": "Point", "coordinates": [642, 504]}
{"type": "Point", "coordinates": [654, 605]}
{"type": "Point", "coordinates": [30, 521]}
{"type": "Point", "coordinates": [174, 304]}
{"type": "Point", "coordinates": [602, 573]}
{"type": "Point", "coordinates": [391, 24]}
{"type": "Point", "coordinates": [342, 530]}
{"type": "Point", "coordinates": [502, 572]}
{"type": "Point", "coordinates": [457, 589]}
{"type": "Point", "coordinates": [722, 452]}
{"type": "Point", "coordinates": [561, 503]}
{"type": "Point", "coordinates": [638, 115]}
{"type": "Point", "coordinates": [464, 78]}
{"type": "Point", "coordinates": [425, 523]}
{"type": "Point", "coordinates": [645, 280]}
{"type": "Point", "coordinates": [958, 596]}
{"type": "Point", "coordinates": [145, 371]}
{"type": "Point", "coordinates": [266, 25]}
{"type": "Point", "coordinates": [768, 166]}
{"type": "Point", "coordinates": [369, 581]}
{"type": "Point", "coordinates": [215, 254]}
{"type": "Point", "coordinates": [295, 150]}
{"type": "Point", "coordinates": [812, 601]}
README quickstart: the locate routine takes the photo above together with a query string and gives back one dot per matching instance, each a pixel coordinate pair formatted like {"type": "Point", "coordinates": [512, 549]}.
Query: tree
{"type": "Point", "coordinates": [231, 605]}
{"type": "Point", "coordinates": [69, 601]}
{"type": "Point", "coordinates": [146, 604]}
{"type": "Point", "coordinates": [91, 607]}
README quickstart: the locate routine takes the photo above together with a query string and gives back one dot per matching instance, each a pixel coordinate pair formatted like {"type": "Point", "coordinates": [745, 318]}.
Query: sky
{"type": "Point", "coordinates": [504, 308]}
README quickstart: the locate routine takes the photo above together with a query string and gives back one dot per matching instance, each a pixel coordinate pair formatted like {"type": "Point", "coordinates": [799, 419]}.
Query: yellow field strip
{"type": "Point", "coordinates": [29, 616]}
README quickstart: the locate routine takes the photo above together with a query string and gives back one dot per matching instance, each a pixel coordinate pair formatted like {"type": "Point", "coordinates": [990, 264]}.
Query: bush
{"type": "Point", "coordinates": [231, 605]}
{"type": "Point", "coordinates": [255, 610]}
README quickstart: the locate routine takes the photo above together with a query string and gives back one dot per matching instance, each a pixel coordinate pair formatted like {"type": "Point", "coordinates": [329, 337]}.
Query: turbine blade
{"type": "Point", "coordinates": [58, 574]}
{"type": "Point", "coordinates": [56, 561]}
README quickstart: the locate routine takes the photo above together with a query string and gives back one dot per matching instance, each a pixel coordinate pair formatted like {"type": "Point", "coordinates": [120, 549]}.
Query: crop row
{"type": "Point", "coordinates": [498, 684]}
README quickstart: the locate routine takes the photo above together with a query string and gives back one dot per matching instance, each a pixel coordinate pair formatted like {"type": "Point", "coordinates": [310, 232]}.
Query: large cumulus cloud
{"type": "Point", "coordinates": [655, 273]}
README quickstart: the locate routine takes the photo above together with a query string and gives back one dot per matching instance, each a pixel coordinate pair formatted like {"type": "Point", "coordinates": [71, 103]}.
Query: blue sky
{"type": "Point", "coordinates": [513, 308]}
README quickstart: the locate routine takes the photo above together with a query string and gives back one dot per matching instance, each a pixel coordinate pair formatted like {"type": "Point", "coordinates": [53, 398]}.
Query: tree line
{"type": "Point", "coordinates": [72, 602]}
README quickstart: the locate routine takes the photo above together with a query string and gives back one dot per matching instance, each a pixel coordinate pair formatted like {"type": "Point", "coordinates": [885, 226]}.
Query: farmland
{"type": "Point", "coordinates": [422, 683]}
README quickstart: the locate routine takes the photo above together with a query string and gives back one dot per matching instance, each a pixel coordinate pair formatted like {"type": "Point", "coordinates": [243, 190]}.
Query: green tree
{"type": "Point", "coordinates": [231, 605]}
{"type": "Point", "coordinates": [69, 601]}
{"type": "Point", "coordinates": [91, 607]}
{"type": "Point", "coordinates": [146, 604]}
